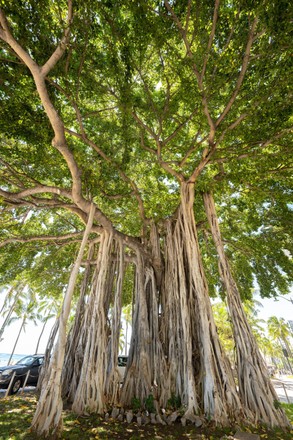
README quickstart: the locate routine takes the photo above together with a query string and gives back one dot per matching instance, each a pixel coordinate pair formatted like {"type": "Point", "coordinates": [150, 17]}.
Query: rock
{"type": "Point", "coordinates": [107, 415]}
{"type": "Point", "coordinates": [172, 418]}
{"type": "Point", "coordinates": [183, 421]}
{"type": "Point", "coordinates": [139, 420]}
{"type": "Point", "coordinates": [198, 422]}
{"type": "Point", "coordinates": [160, 420]}
{"type": "Point", "coordinates": [239, 435]}
{"type": "Point", "coordinates": [115, 413]}
{"type": "Point", "coordinates": [120, 418]}
{"type": "Point", "coordinates": [145, 420]}
{"type": "Point", "coordinates": [153, 419]}
{"type": "Point", "coordinates": [129, 416]}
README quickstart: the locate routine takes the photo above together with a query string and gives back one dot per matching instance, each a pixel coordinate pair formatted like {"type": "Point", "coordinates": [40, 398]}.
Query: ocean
{"type": "Point", "coordinates": [4, 357]}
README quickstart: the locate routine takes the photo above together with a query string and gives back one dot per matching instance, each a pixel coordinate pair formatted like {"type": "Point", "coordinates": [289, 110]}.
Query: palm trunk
{"type": "Point", "coordinates": [256, 391]}
{"type": "Point", "coordinates": [16, 341]}
{"type": "Point", "coordinates": [41, 334]}
{"type": "Point", "coordinates": [47, 419]}
{"type": "Point", "coordinates": [11, 310]}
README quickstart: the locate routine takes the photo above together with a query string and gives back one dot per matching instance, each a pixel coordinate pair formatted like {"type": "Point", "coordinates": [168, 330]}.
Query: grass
{"type": "Point", "coordinates": [16, 413]}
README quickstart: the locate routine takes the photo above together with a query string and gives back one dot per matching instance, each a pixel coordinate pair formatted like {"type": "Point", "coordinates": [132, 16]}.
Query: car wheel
{"type": "Point", "coordinates": [15, 386]}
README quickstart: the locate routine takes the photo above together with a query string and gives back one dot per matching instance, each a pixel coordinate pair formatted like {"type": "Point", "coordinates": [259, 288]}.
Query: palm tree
{"type": "Point", "coordinates": [27, 311]}
{"type": "Point", "coordinates": [11, 303]}
{"type": "Point", "coordinates": [279, 331]}
{"type": "Point", "coordinates": [51, 307]}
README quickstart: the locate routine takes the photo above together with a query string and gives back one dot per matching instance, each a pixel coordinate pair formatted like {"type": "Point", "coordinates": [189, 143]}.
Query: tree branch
{"type": "Point", "coordinates": [211, 38]}
{"type": "Point", "coordinates": [60, 49]}
{"type": "Point", "coordinates": [241, 74]}
{"type": "Point", "coordinates": [54, 238]}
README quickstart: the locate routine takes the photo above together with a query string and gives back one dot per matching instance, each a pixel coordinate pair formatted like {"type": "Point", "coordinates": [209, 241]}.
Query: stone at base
{"type": "Point", "coordinates": [129, 416]}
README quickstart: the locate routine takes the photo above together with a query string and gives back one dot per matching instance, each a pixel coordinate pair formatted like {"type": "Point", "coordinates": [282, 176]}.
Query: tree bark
{"type": "Point", "coordinates": [89, 396]}
{"type": "Point", "coordinates": [47, 421]}
{"type": "Point", "coordinates": [75, 345]}
{"type": "Point", "coordinates": [198, 367]}
{"type": "Point", "coordinates": [255, 388]}
{"type": "Point", "coordinates": [146, 369]}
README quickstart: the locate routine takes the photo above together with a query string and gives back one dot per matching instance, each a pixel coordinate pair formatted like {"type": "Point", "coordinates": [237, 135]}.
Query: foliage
{"type": "Point", "coordinates": [142, 108]}
{"type": "Point", "coordinates": [149, 403]}
{"type": "Point", "coordinates": [174, 402]}
{"type": "Point", "coordinates": [135, 404]}
{"type": "Point", "coordinates": [124, 81]}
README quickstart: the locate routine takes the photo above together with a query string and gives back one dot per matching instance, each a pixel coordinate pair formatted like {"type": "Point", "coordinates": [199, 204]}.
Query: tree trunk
{"type": "Point", "coordinates": [255, 388]}
{"type": "Point", "coordinates": [75, 344]}
{"type": "Point", "coordinates": [112, 385]}
{"type": "Point", "coordinates": [47, 421]}
{"type": "Point", "coordinates": [89, 396]}
{"type": "Point", "coordinates": [146, 368]}
{"type": "Point", "coordinates": [11, 310]}
{"type": "Point", "coordinates": [48, 352]}
{"type": "Point", "coordinates": [16, 341]}
{"type": "Point", "coordinates": [198, 368]}
{"type": "Point", "coordinates": [41, 334]}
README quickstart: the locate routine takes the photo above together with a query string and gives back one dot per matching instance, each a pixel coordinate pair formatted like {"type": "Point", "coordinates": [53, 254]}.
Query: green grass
{"type": "Point", "coordinates": [16, 414]}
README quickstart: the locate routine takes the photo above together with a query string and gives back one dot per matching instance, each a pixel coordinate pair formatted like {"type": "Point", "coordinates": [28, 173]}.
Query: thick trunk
{"type": "Point", "coordinates": [90, 392]}
{"type": "Point", "coordinates": [146, 370]}
{"type": "Point", "coordinates": [198, 368]}
{"type": "Point", "coordinates": [255, 388]}
{"type": "Point", "coordinates": [112, 385]}
{"type": "Point", "coordinates": [47, 421]}
{"type": "Point", "coordinates": [75, 345]}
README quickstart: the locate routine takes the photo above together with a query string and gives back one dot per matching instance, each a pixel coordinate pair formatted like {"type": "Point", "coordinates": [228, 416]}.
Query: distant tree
{"type": "Point", "coordinates": [26, 312]}
{"type": "Point", "coordinates": [279, 331]}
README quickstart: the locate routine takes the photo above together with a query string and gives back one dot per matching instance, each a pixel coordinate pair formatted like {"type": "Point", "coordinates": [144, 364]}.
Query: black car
{"type": "Point", "coordinates": [29, 363]}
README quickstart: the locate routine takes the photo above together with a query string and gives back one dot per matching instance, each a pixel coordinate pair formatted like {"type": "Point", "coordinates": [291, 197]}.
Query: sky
{"type": "Point", "coordinates": [283, 308]}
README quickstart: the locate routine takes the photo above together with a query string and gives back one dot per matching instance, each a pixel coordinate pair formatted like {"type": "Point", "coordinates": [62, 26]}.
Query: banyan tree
{"type": "Point", "coordinates": [143, 160]}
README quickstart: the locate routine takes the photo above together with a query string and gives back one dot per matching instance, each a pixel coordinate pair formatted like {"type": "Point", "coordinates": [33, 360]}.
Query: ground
{"type": "Point", "coordinates": [16, 413]}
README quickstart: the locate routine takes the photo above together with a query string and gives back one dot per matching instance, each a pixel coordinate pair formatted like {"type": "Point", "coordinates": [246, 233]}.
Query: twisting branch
{"type": "Point", "coordinates": [35, 190]}
{"type": "Point", "coordinates": [211, 38]}
{"type": "Point", "coordinates": [125, 178]}
{"type": "Point", "coordinates": [60, 49]}
{"type": "Point", "coordinates": [195, 70]}
{"type": "Point", "coordinates": [59, 141]}
{"type": "Point", "coordinates": [54, 238]}
{"type": "Point", "coordinates": [241, 74]}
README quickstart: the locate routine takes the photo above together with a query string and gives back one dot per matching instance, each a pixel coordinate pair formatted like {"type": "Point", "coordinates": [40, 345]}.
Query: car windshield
{"type": "Point", "coordinates": [28, 360]}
